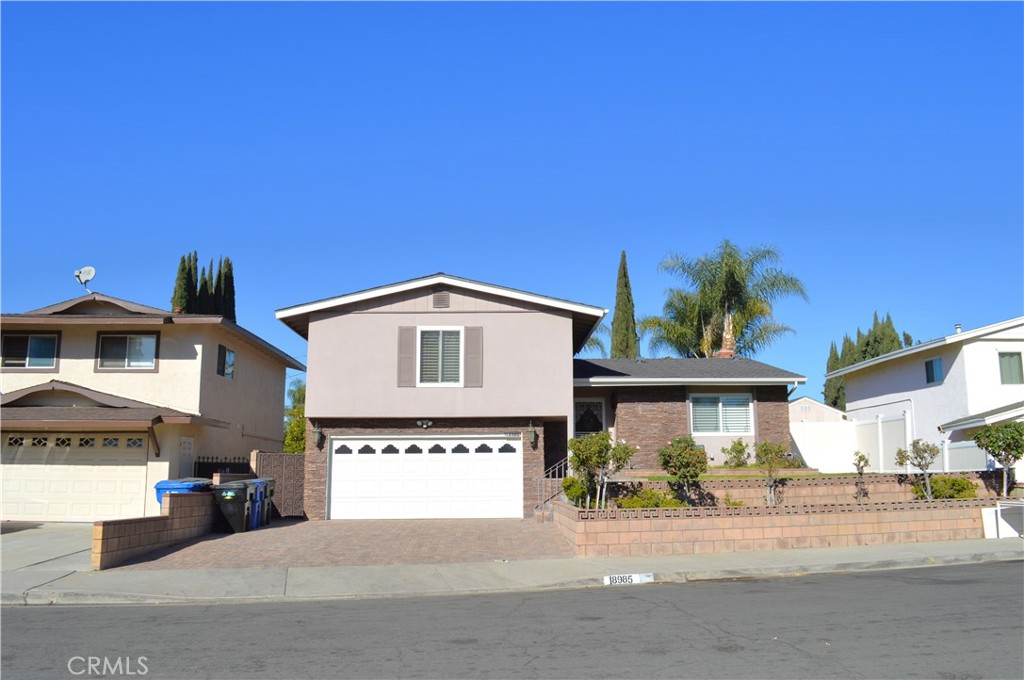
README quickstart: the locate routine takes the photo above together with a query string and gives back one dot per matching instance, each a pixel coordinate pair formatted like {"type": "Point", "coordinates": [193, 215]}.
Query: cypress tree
{"type": "Point", "coordinates": [179, 297]}
{"type": "Point", "coordinates": [193, 283]}
{"type": "Point", "coordinates": [203, 294]}
{"type": "Point", "coordinates": [229, 289]}
{"type": "Point", "coordinates": [625, 344]}
{"type": "Point", "coordinates": [831, 393]}
{"type": "Point", "coordinates": [218, 288]}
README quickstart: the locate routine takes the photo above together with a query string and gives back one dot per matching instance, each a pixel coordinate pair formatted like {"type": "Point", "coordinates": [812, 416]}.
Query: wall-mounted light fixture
{"type": "Point", "coordinates": [424, 423]}
{"type": "Point", "coordinates": [531, 435]}
{"type": "Point", "coordinates": [318, 437]}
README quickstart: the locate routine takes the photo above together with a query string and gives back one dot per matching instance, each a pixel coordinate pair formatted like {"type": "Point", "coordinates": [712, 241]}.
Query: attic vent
{"type": "Point", "coordinates": [442, 299]}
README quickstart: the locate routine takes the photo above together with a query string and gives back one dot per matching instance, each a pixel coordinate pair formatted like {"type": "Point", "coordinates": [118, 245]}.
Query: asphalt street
{"type": "Point", "coordinates": [941, 622]}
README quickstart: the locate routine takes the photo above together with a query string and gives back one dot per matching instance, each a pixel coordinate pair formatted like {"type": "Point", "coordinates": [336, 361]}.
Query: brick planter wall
{"type": "Point", "coordinates": [185, 516]}
{"type": "Point", "coordinates": [821, 490]}
{"type": "Point", "coordinates": [315, 482]}
{"type": "Point", "coordinates": [667, 531]}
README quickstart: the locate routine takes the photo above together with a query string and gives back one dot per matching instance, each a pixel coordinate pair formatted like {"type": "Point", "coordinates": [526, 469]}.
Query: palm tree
{"type": "Point", "coordinates": [596, 344]}
{"type": "Point", "coordinates": [730, 283]}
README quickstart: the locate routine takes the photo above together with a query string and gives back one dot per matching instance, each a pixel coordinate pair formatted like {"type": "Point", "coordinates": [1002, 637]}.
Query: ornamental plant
{"type": "Point", "coordinates": [1005, 443]}
{"type": "Point", "coordinates": [685, 461]}
{"type": "Point", "coordinates": [921, 456]}
{"type": "Point", "coordinates": [594, 458]}
{"type": "Point", "coordinates": [771, 458]}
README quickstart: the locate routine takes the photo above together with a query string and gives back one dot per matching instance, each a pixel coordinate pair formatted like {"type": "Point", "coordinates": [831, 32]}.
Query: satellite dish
{"type": "Point", "coordinates": [84, 276]}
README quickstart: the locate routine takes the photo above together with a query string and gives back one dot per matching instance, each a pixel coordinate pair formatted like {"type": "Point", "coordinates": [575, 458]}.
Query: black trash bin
{"type": "Point", "coordinates": [268, 496]}
{"type": "Point", "coordinates": [235, 502]}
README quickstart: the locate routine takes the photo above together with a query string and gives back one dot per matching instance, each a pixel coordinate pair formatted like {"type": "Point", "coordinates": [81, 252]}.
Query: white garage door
{"type": "Point", "coordinates": [74, 477]}
{"type": "Point", "coordinates": [426, 477]}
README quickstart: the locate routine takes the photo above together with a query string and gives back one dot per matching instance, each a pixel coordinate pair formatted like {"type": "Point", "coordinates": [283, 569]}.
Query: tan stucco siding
{"type": "Point", "coordinates": [252, 401]}
{"type": "Point", "coordinates": [175, 384]}
{"type": "Point", "coordinates": [353, 360]}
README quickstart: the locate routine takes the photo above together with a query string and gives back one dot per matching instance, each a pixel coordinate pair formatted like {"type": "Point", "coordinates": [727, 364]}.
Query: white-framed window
{"type": "Point", "coordinates": [439, 356]}
{"type": "Point", "coordinates": [933, 371]}
{"type": "Point", "coordinates": [1011, 368]}
{"type": "Point", "coordinates": [30, 350]}
{"type": "Point", "coordinates": [722, 414]}
{"type": "Point", "coordinates": [225, 362]}
{"type": "Point", "coordinates": [126, 351]}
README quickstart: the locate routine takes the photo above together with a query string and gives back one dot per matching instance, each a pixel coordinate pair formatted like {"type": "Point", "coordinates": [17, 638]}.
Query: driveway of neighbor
{"type": "Point", "coordinates": [329, 543]}
{"type": "Point", "coordinates": [40, 546]}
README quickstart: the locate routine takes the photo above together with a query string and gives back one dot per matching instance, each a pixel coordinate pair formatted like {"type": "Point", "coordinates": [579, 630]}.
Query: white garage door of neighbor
{"type": "Point", "coordinates": [73, 478]}
{"type": "Point", "coordinates": [479, 476]}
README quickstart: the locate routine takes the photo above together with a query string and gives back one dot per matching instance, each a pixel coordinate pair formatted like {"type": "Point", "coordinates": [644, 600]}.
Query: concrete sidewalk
{"type": "Point", "coordinates": [194, 586]}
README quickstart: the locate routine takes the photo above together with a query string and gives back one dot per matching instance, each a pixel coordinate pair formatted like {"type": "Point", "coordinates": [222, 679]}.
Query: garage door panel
{"type": "Point", "coordinates": [467, 476]}
{"type": "Point", "coordinates": [70, 483]}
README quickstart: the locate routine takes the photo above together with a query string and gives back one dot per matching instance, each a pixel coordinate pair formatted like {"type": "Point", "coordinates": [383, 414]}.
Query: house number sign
{"type": "Point", "coordinates": [628, 579]}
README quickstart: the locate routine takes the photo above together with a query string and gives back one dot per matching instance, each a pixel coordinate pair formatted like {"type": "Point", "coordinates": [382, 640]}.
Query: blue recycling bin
{"type": "Point", "coordinates": [187, 485]}
{"type": "Point", "coordinates": [266, 506]}
{"type": "Point", "coordinates": [259, 497]}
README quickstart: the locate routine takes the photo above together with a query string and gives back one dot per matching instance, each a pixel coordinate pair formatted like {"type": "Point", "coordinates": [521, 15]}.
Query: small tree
{"type": "Point", "coordinates": [771, 458]}
{"type": "Point", "coordinates": [179, 297]}
{"type": "Point", "coordinates": [861, 463]}
{"type": "Point", "coordinates": [594, 459]}
{"type": "Point", "coordinates": [921, 456]}
{"type": "Point", "coordinates": [736, 454]}
{"type": "Point", "coordinates": [685, 461]}
{"type": "Point", "coordinates": [1005, 443]}
{"type": "Point", "coordinates": [295, 420]}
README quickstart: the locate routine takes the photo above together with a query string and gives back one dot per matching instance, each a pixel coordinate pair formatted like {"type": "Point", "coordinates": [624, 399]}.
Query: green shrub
{"type": "Point", "coordinates": [732, 503]}
{"type": "Point", "coordinates": [948, 487]}
{"type": "Point", "coordinates": [649, 498]}
{"type": "Point", "coordinates": [736, 454]}
{"type": "Point", "coordinates": [685, 460]}
{"type": "Point", "coordinates": [575, 489]}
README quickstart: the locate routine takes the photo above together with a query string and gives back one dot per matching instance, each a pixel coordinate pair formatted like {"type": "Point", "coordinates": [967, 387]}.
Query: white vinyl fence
{"type": "Point", "coordinates": [829, 447]}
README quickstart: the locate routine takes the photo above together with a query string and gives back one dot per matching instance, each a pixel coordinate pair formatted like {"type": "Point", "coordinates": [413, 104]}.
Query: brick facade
{"type": "Point", "coordinates": [771, 411]}
{"type": "Point", "coordinates": [315, 481]}
{"type": "Point", "coordinates": [649, 418]}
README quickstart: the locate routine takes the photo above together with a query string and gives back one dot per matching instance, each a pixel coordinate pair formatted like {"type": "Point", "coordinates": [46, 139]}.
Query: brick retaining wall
{"type": "Point", "coordinates": [822, 490]}
{"type": "Point", "coordinates": [185, 516]}
{"type": "Point", "coordinates": [667, 531]}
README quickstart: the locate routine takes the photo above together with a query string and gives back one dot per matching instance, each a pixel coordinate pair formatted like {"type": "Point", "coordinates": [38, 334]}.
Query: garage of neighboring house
{"type": "Point", "coordinates": [74, 476]}
{"type": "Point", "coordinates": [432, 477]}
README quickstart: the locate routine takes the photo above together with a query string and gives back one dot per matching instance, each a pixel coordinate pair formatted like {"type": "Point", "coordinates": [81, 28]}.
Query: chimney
{"type": "Point", "coordinates": [959, 328]}
{"type": "Point", "coordinates": [728, 340]}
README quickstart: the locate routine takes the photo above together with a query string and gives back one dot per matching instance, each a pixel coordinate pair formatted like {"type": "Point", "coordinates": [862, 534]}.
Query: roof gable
{"type": "Point", "coordinates": [585, 317]}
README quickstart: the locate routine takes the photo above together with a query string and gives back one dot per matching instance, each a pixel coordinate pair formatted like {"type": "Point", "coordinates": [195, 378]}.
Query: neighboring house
{"type": "Point", "coordinates": [945, 388]}
{"type": "Point", "coordinates": [103, 398]}
{"type": "Point", "coordinates": [807, 410]}
{"type": "Point", "coordinates": [445, 397]}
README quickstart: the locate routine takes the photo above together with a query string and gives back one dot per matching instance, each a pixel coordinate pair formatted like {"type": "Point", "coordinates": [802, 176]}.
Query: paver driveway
{"type": "Point", "coordinates": [324, 543]}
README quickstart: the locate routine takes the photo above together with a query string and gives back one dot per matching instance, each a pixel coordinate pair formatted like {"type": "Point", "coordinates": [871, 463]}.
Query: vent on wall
{"type": "Point", "coordinates": [442, 299]}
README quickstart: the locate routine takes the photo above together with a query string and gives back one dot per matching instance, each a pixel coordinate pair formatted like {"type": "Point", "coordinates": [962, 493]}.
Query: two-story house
{"type": "Point", "coordinates": [443, 397]}
{"type": "Point", "coordinates": [103, 398]}
{"type": "Point", "coordinates": [946, 387]}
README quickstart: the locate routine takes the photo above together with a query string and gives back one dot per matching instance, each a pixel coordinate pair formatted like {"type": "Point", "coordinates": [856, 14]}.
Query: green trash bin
{"type": "Point", "coordinates": [235, 500]}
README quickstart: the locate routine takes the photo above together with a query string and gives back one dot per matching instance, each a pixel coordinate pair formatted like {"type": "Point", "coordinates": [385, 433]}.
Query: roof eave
{"type": "Point", "coordinates": [649, 382]}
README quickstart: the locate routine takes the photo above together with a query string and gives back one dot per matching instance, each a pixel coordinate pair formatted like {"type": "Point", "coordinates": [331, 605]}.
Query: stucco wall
{"type": "Point", "coordinates": [353, 359]}
{"type": "Point", "coordinates": [174, 385]}
{"type": "Point", "coordinates": [984, 388]}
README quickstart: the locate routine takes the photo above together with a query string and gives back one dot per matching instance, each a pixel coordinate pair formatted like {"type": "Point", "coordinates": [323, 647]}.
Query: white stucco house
{"type": "Point", "coordinates": [102, 398]}
{"type": "Point", "coordinates": [945, 388]}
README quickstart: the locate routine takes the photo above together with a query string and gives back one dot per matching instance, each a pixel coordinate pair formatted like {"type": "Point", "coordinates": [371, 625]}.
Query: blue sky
{"type": "Point", "coordinates": [332, 147]}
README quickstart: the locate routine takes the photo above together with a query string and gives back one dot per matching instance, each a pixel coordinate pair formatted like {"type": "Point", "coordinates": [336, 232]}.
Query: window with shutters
{"type": "Point", "coordinates": [722, 414]}
{"type": "Point", "coordinates": [440, 357]}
